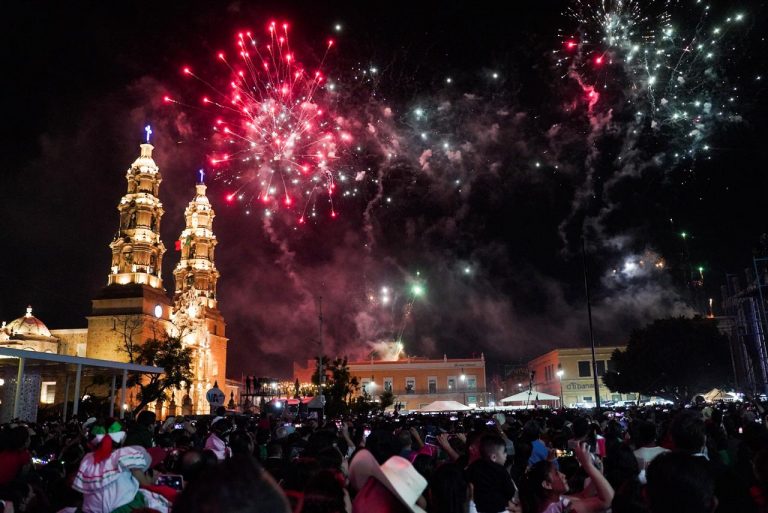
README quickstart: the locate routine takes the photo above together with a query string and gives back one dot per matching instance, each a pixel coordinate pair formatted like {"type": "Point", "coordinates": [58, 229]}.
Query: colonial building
{"type": "Point", "coordinates": [28, 332]}
{"type": "Point", "coordinates": [134, 306]}
{"type": "Point", "coordinates": [567, 373]}
{"type": "Point", "coordinates": [416, 382]}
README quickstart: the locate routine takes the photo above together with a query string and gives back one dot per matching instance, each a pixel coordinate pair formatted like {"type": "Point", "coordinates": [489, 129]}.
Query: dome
{"type": "Point", "coordinates": [27, 326]}
{"type": "Point", "coordinates": [144, 164]}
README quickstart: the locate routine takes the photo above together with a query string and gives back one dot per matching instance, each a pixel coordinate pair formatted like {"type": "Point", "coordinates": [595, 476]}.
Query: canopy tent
{"type": "Point", "coordinates": [26, 367]}
{"type": "Point", "coordinates": [445, 406]}
{"type": "Point", "coordinates": [524, 396]}
{"type": "Point", "coordinates": [719, 395]}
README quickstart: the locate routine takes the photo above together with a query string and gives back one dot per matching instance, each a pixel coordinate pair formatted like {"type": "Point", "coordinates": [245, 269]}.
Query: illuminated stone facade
{"type": "Point", "coordinates": [195, 311]}
{"type": "Point", "coordinates": [134, 306]}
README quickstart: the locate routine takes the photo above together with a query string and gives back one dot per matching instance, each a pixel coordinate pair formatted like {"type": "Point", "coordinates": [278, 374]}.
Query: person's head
{"type": "Point", "coordinates": [16, 438]}
{"type": "Point", "coordinates": [645, 433]}
{"type": "Point", "coordinates": [241, 443]}
{"type": "Point", "coordinates": [236, 485]}
{"type": "Point", "coordinates": [221, 426]}
{"type": "Point", "coordinates": [620, 465]}
{"type": "Point", "coordinates": [680, 482]}
{"type": "Point", "coordinates": [449, 489]}
{"type": "Point", "coordinates": [493, 448]}
{"type": "Point", "coordinates": [688, 431]}
{"type": "Point", "coordinates": [424, 465]}
{"type": "Point", "coordinates": [580, 428]}
{"type": "Point", "coordinates": [542, 484]}
{"type": "Point", "coordinates": [383, 445]}
{"type": "Point", "coordinates": [405, 439]}
{"type": "Point", "coordinates": [146, 419]}
{"type": "Point", "coordinates": [106, 436]}
{"type": "Point", "coordinates": [299, 473]}
{"type": "Point", "coordinates": [531, 430]}
{"type": "Point", "coordinates": [191, 465]}
{"type": "Point", "coordinates": [324, 493]}
{"type": "Point", "coordinates": [330, 458]}
{"type": "Point", "coordinates": [274, 450]}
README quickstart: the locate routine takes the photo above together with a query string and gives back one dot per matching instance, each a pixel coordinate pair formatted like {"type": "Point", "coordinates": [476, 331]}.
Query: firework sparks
{"type": "Point", "coordinates": [284, 145]}
{"type": "Point", "coordinates": [671, 76]}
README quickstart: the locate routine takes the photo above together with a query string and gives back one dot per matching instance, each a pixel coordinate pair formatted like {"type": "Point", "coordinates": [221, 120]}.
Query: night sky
{"type": "Point", "coordinates": [482, 162]}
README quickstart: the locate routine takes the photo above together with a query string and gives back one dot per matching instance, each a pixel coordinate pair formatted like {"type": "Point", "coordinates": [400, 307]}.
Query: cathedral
{"type": "Point", "coordinates": [134, 306]}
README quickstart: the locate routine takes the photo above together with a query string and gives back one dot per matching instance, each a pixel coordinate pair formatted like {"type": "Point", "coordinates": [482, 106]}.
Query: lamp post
{"type": "Point", "coordinates": [463, 379]}
{"type": "Point", "coordinates": [560, 373]}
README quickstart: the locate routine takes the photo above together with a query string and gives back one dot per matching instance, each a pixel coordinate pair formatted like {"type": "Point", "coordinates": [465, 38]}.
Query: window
{"type": "Point", "coordinates": [584, 370]}
{"type": "Point", "coordinates": [388, 384]}
{"type": "Point", "coordinates": [451, 384]}
{"type": "Point", "coordinates": [587, 399]}
{"type": "Point", "coordinates": [471, 401]}
{"type": "Point", "coordinates": [410, 385]}
{"type": "Point", "coordinates": [471, 383]}
{"type": "Point", "coordinates": [47, 392]}
{"type": "Point", "coordinates": [611, 366]}
{"type": "Point", "coordinates": [432, 384]}
{"type": "Point", "coordinates": [600, 367]}
{"type": "Point", "coordinates": [616, 397]}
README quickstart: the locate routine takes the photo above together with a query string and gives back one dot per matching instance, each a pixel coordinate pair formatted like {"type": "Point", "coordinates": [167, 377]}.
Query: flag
{"type": "Point", "coordinates": [178, 245]}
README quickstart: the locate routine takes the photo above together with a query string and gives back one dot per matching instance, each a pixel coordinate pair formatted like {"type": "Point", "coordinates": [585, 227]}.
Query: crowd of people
{"type": "Point", "coordinates": [702, 459]}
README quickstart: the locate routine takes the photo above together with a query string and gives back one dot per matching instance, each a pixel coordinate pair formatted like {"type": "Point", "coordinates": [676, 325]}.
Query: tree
{"type": "Point", "coordinates": [170, 354]}
{"type": "Point", "coordinates": [129, 327]}
{"type": "Point", "coordinates": [387, 399]}
{"type": "Point", "coordinates": [339, 386]}
{"type": "Point", "coordinates": [673, 358]}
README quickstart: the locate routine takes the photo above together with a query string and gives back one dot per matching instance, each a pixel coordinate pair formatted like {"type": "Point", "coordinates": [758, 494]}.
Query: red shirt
{"type": "Point", "coordinates": [11, 463]}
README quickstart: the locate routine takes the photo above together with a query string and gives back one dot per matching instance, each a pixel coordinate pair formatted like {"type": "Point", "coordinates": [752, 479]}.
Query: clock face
{"type": "Point", "coordinates": [158, 311]}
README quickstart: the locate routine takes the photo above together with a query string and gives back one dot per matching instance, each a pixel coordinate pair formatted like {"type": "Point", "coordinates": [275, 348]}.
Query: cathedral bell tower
{"type": "Point", "coordinates": [137, 251]}
{"type": "Point", "coordinates": [195, 310]}
{"type": "Point", "coordinates": [134, 306]}
{"type": "Point", "coordinates": [197, 269]}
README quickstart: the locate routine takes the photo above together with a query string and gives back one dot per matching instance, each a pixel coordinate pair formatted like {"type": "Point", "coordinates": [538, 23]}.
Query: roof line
{"type": "Point", "coordinates": [78, 360]}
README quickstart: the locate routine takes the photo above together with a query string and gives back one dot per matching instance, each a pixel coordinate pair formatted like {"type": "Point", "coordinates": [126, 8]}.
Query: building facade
{"type": "Point", "coordinates": [416, 382]}
{"type": "Point", "coordinates": [134, 306]}
{"type": "Point", "coordinates": [575, 384]}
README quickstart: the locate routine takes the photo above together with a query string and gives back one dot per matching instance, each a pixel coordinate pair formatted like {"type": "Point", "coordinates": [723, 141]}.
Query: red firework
{"type": "Point", "coordinates": [274, 119]}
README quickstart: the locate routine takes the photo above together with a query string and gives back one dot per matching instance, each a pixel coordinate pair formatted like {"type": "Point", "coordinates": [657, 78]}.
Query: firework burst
{"type": "Point", "coordinates": [672, 76]}
{"type": "Point", "coordinates": [278, 142]}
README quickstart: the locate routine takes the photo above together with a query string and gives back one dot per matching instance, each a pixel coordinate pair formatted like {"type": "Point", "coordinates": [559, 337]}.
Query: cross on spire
{"type": "Point", "coordinates": [148, 130]}
{"type": "Point", "coordinates": [202, 176]}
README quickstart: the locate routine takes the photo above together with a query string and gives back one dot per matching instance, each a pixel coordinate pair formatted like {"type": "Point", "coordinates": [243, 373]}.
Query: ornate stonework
{"type": "Point", "coordinates": [195, 312]}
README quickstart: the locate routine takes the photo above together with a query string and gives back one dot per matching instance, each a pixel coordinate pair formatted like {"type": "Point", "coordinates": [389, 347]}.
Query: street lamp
{"type": "Point", "coordinates": [560, 373]}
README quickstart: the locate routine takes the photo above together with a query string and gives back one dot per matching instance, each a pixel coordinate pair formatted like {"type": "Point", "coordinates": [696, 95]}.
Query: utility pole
{"type": "Point", "coordinates": [591, 332]}
{"type": "Point", "coordinates": [320, 370]}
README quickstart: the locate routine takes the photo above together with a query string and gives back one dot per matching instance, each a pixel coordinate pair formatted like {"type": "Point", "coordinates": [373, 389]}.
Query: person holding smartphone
{"type": "Point", "coordinates": [544, 488]}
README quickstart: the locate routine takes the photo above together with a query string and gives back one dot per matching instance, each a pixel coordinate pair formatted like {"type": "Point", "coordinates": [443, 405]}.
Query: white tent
{"type": "Point", "coordinates": [445, 406]}
{"type": "Point", "coordinates": [523, 397]}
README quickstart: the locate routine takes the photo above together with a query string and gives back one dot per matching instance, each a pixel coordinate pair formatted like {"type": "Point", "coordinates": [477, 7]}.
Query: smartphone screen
{"type": "Point", "coordinates": [174, 481]}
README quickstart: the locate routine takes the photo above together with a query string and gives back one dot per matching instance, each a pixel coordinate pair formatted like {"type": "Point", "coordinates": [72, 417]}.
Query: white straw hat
{"type": "Point", "coordinates": [396, 474]}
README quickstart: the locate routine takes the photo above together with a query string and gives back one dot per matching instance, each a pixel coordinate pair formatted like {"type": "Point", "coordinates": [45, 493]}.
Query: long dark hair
{"type": "Point", "coordinates": [532, 495]}
{"type": "Point", "coordinates": [449, 489]}
{"type": "Point", "coordinates": [324, 494]}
